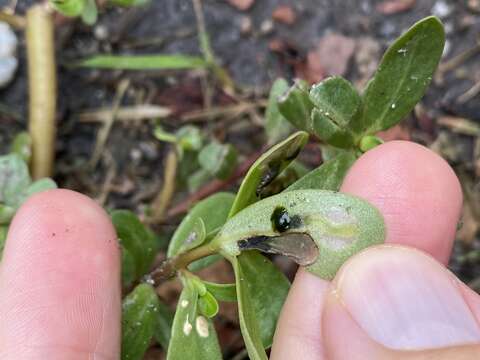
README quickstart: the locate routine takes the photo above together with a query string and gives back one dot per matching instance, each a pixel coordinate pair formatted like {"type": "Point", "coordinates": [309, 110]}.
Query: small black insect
{"type": "Point", "coordinates": [281, 221]}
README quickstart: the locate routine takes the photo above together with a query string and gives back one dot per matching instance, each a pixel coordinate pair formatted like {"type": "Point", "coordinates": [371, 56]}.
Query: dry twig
{"type": "Point", "coordinates": [42, 82]}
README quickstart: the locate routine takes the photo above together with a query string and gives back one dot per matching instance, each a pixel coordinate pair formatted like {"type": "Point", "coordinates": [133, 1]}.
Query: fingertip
{"type": "Point", "coordinates": [60, 278]}
{"type": "Point", "coordinates": [417, 192]}
{"type": "Point", "coordinates": [298, 333]}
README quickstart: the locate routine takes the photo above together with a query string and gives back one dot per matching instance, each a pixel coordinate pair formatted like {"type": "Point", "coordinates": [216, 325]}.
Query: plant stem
{"type": "Point", "coordinates": [169, 267]}
{"type": "Point", "coordinates": [163, 199]}
{"type": "Point", "coordinates": [42, 83]}
{"type": "Point", "coordinates": [15, 21]}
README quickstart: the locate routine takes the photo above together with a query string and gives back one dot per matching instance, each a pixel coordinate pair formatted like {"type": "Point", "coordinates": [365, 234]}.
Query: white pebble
{"type": "Point", "coordinates": [8, 61]}
{"type": "Point", "coordinates": [8, 41]}
{"type": "Point", "coordinates": [441, 9]}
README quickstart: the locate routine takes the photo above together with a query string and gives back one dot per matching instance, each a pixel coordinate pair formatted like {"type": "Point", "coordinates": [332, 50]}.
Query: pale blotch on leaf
{"type": "Point", "coordinates": [201, 324]}
{"type": "Point", "coordinates": [187, 327]}
{"type": "Point", "coordinates": [184, 303]}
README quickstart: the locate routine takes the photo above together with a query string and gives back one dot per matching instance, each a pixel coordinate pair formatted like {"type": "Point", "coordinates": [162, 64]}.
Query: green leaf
{"type": "Point", "coordinates": [268, 288]}
{"type": "Point", "coordinates": [144, 62]}
{"type": "Point", "coordinates": [328, 176]}
{"type": "Point", "coordinates": [6, 214]}
{"type": "Point", "coordinates": [22, 146]}
{"type": "Point", "coordinates": [337, 99]}
{"type": "Point", "coordinates": [3, 238]}
{"type": "Point", "coordinates": [196, 236]}
{"type": "Point", "coordinates": [139, 318]}
{"type": "Point", "coordinates": [337, 105]}
{"type": "Point", "coordinates": [295, 105]}
{"type": "Point", "coordinates": [403, 75]}
{"type": "Point", "coordinates": [70, 8]}
{"type": "Point", "coordinates": [90, 12]}
{"type": "Point", "coordinates": [248, 319]}
{"type": "Point", "coordinates": [37, 187]}
{"type": "Point", "coordinates": [163, 326]}
{"type": "Point", "coordinates": [222, 292]}
{"type": "Point", "coordinates": [218, 159]}
{"type": "Point", "coordinates": [317, 228]}
{"type": "Point", "coordinates": [193, 335]}
{"type": "Point", "coordinates": [189, 138]}
{"type": "Point", "coordinates": [369, 142]}
{"type": "Point", "coordinates": [14, 178]}
{"type": "Point", "coordinates": [136, 238]}
{"type": "Point", "coordinates": [212, 210]}
{"type": "Point", "coordinates": [266, 169]}
{"type": "Point", "coordinates": [129, 271]}
{"type": "Point", "coordinates": [276, 126]}
{"type": "Point", "coordinates": [208, 305]}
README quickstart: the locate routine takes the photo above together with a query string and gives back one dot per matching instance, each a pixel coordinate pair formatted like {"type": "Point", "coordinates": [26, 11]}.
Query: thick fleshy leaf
{"type": "Point", "coordinates": [266, 169]}
{"type": "Point", "coordinates": [212, 210]}
{"type": "Point", "coordinates": [136, 238]}
{"type": "Point", "coordinates": [337, 105]}
{"type": "Point", "coordinates": [295, 105]}
{"type": "Point", "coordinates": [38, 186]}
{"type": "Point", "coordinates": [248, 319]}
{"type": "Point", "coordinates": [369, 142]}
{"type": "Point", "coordinates": [328, 176]}
{"type": "Point", "coordinates": [222, 292]}
{"type": "Point", "coordinates": [90, 12]}
{"type": "Point", "coordinates": [193, 335]}
{"type": "Point", "coordinates": [14, 179]}
{"type": "Point", "coordinates": [403, 75]}
{"type": "Point", "coordinates": [144, 62]}
{"type": "Point", "coordinates": [318, 228]}
{"type": "Point", "coordinates": [69, 8]}
{"type": "Point", "coordinates": [129, 271]}
{"type": "Point", "coordinates": [22, 146]}
{"type": "Point", "coordinates": [3, 237]}
{"type": "Point", "coordinates": [268, 287]}
{"type": "Point", "coordinates": [208, 305]}
{"type": "Point", "coordinates": [196, 236]}
{"type": "Point", "coordinates": [337, 100]}
{"type": "Point", "coordinates": [218, 159]}
{"type": "Point", "coordinates": [276, 126]}
{"type": "Point", "coordinates": [139, 318]}
{"type": "Point", "coordinates": [6, 214]}
{"type": "Point", "coordinates": [163, 326]}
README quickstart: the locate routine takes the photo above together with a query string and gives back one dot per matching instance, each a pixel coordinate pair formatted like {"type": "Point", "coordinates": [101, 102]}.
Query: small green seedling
{"type": "Point", "coordinates": [87, 9]}
{"type": "Point", "coordinates": [16, 185]}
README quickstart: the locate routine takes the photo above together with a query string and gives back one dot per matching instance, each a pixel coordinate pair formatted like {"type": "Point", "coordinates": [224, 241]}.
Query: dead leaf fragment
{"type": "Point", "coordinates": [241, 4]}
{"type": "Point", "coordinates": [284, 14]}
{"type": "Point", "coordinates": [394, 6]}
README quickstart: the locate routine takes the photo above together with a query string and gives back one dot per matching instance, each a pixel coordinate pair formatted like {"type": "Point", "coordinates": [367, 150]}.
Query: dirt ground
{"type": "Point", "coordinates": [270, 39]}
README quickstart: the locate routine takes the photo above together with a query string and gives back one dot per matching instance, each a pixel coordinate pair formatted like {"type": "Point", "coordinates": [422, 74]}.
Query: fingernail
{"type": "Point", "coordinates": [404, 299]}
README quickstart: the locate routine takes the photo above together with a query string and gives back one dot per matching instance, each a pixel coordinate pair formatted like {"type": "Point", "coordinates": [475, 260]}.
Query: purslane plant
{"type": "Point", "coordinates": [309, 221]}
{"type": "Point", "coordinates": [306, 220]}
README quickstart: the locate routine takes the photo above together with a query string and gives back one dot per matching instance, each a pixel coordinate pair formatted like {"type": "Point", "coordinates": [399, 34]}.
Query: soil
{"type": "Point", "coordinates": [255, 50]}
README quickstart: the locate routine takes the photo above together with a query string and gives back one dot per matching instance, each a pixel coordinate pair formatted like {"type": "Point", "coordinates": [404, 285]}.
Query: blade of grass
{"type": "Point", "coordinates": [144, 62]}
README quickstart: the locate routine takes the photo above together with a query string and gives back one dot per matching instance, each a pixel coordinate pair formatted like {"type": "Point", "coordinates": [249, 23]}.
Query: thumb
{"type": "Point", "coordinates": [398, 303]}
